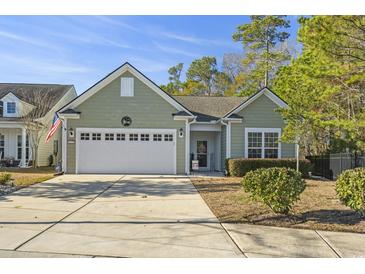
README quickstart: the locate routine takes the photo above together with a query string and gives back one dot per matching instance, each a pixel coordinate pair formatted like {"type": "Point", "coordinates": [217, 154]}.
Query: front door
{"type": "Point", "coordinates": [202, 153]}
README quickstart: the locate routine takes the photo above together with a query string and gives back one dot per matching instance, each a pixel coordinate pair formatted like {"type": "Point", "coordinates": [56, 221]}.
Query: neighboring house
{"type": "Point", "coordinates": [126, 124]}
{"type": "Point", "coordinates": [19, 100]}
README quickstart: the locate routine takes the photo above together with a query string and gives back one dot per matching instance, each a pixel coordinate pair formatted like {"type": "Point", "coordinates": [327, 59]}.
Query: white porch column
{"type": "Point", "coordinates": [228, 141]}
{"type": "Point", "coordinates": [64, 145]}
{"type": "Point", "coordinates": [24, 136]}
{"type": "Point", "coordinates": [187, 147]}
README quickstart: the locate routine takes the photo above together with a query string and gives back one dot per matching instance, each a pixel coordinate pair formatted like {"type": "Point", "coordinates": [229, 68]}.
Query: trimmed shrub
{"type": "Point", "coordinates": [350, 188]}
{"type": "Point", "coordinates": [238, 167]}
{"type": "Point", "coordinates": [278, 188]}
{"type": "Point", "coordinates": [4, 177]}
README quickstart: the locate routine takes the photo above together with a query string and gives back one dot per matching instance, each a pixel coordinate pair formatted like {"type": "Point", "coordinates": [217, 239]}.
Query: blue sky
{"type": "Point", "coordinates": [80, 50]}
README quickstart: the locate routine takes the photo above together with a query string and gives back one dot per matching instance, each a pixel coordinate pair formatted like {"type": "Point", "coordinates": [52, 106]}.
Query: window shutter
{"type": "Point", "coordinates": [127, 86]}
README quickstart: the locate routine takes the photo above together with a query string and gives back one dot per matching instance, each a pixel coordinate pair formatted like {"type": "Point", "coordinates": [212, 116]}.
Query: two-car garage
{"type": "Point", "coordinates": [124, 150]}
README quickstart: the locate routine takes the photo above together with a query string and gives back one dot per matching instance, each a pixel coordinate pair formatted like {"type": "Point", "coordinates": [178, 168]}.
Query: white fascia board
{"type": "Point", "coordinates": [11, 124]}
{"type": "Point", "coordinates": [113, 76]}
{"type": "Point", "coordinates": [183, 118]}
{"type": "Point", "coordinates": [69, 116]}
{"type": "Point", "coordinates": [279, 102]}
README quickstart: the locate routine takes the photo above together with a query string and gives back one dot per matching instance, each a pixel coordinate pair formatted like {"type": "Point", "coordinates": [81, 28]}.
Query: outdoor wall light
{"type": "Point", "coordinates": [71, 132]}
{"type": "Point", "coordinates": [181, 133]}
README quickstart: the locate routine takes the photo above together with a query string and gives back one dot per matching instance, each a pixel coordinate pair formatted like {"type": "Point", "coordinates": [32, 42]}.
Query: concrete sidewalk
{"type": "Point", "coordinates": [267, 241]}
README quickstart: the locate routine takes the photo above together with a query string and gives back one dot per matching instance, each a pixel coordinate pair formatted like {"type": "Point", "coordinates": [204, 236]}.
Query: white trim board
{"type": "Point", "coordinates": [262, 130]}
{"type": "Point", "coordinates": [265, 91]}
{"type": "Point", "coordinates": [116, 74]}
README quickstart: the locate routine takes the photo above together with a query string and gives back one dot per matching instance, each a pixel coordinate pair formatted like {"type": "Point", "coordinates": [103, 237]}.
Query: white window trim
{"type": "Point", "coordinates": [262, 130]}
{"type": "Point", "coordinates": [126, 89]}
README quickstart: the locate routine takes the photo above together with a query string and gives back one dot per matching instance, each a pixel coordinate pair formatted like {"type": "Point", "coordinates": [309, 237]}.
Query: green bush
{"type": "Point", "coordinates": [238, 167]}
{"type": "Point", "coordinates": [350, 188]}
{"type": "Point", "coordinates": [278, 188]}
{"type": "Point", "coordinates": [4, 177]}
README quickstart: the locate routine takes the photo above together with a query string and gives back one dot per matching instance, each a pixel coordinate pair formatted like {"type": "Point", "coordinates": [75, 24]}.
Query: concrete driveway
{"type": "Point", "coordinates": [111, 215]}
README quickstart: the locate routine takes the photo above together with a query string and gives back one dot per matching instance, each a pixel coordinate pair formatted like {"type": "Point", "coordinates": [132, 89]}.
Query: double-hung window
{"type": "Point", "coordinates": [263, 143]}
{"type": "Point", "coordinates": [19, 147]}
{"type": "Point", "coordinates": [11, 107]}
{"type": "Point", "coordinates": [2, 146]}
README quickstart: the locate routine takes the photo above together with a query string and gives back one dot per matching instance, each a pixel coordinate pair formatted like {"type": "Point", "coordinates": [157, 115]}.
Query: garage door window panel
{"type": "Point", "coordinates": [145, 137]}
{"type": "Point", "coordinates": [96, 136]}
{"type": "Point", "coordinates": [157, 137]}
{"type": "Point", "coordinates": [133, 137]}
{"type": "Point", "coordinates": [109, 136]}
{"type": "Point", "coordinates": [120, 137]}
{"type": "Point", "coordinates": [168, 138]}
{"type": "Point", "coordinates": [85, 136]}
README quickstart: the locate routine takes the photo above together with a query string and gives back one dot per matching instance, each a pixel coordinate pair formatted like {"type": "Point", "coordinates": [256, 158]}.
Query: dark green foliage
{"type": "Point", "coordinates": [238, 167]}
{"type": "Point", "coordinates": [50, 160]}
{"type": "Point", "coordinates": [350, 188]}
{"type": "Point", "coordinates": [278, 188]}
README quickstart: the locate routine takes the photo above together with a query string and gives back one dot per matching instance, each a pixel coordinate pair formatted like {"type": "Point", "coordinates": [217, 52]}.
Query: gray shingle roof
{"type": "Point", "coordinates": [70, 111]}
{"type": "Point", "coordinates": [29, 92]}
{"type": "Point", "coordinates": [209, 108]}
{"type": "Point", "coordinates": [181, 113]}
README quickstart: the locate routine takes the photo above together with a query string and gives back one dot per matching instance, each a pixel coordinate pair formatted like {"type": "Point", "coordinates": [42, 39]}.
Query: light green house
{"type": "Point", "coordinates": [126, 124]}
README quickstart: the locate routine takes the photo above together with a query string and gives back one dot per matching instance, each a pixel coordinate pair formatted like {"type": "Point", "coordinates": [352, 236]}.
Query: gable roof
{"type": "Point", "coordinates": [208, 108]}
{"type": "Point", "coordinates": [29, 93]}
{"type": "Point", "coordinates": [264, 91]}
{"type": "Point", "coordinates": [113, 76]}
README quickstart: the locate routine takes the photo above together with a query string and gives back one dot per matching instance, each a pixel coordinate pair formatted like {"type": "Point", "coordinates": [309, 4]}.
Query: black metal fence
{"type": "Point", "coordinates": [330, 166]}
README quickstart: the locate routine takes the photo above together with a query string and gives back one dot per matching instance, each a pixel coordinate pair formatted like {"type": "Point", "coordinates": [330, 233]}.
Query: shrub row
{"type": "Point", "coordinates": [278, 188]}
{"type": "Point", "coordinates": [238, 167]}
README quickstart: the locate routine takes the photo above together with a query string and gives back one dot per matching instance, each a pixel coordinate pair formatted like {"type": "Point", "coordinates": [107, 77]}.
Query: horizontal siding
{"type": "Point", "coordinates": [147, 109]}
{"type": "Point", "coordinates": [259, 114]}
{"type": "Point", "coordinates": [46, 149]}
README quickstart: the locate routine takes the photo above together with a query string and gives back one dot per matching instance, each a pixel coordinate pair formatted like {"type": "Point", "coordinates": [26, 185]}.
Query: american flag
{"type": "Point", "coordinates": [56, 122]}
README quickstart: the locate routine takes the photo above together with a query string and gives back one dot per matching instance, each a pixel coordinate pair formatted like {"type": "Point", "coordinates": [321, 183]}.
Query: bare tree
{"type": "Point", "coordinates": [232, 64]}
{"type": "Point", "coordinates": [36, 119]}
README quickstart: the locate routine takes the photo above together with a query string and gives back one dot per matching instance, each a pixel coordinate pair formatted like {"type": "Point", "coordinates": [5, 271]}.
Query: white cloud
{"type": "Point", "coordinates": [42, 66]}
{"type": "Point", "coordinates": [181, 37]}
{"type": "Point", "coordinates": [175, 50]}
{"type": "Point", "coordinates": [118, 23]}
{"type": "Point", "coordinates": [25, 39]}
{"type": "Point", "coordinates": [196, 40]}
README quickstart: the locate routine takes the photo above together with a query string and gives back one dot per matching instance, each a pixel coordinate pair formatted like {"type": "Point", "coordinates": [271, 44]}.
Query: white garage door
{"type": "Point", "coordinates": [126, 151]}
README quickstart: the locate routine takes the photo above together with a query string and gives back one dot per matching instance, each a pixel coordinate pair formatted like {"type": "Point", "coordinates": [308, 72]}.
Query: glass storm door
{"type": "Point", "coordinates": [202, 153]}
